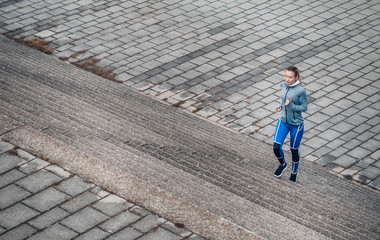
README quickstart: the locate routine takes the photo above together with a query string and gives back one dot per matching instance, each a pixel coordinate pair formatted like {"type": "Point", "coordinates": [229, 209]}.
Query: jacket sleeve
{"type": "Point", "coordinates": [281, 102]}
{"type": "Point", "coordinates": [303, 106]}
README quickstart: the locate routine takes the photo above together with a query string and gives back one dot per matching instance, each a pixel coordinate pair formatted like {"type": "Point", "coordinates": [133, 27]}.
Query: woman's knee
{"type": "Point", "coordinates": [295, 155]}
{"type": "Point", "coordinates": [277, 149]}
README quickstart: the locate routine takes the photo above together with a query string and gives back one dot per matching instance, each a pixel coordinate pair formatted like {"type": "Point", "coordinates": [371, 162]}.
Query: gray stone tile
{"type": "Point", "coordinates": [33, 166]}
{"type": "Point", "coordinates": [119, 222]}
{"type": "Point", "coordinates": [375, 183]}
{"type": "Point", "coordinates": [369, 112]}
{"type": "Point", "coordinates": [56, 231]}
{"type": "Point", "coordinates": [362, 179]}
{"type": "Point", "coordinates": [100, 192]}
{"type": "Point", "coordinates": [112, 205]}
{"type": "Point", "coordinates": [359, 153]}
{"type": "Point", "coordinates": [15, 215]}
{"type": "Point", "coordinates": [377, 163]}
{"type": "Point", "coordinates": [160, 233]}
{"type": "Point", "coordinates": [335, 168]}
{"type": "Point", "coordinates": [148, 223]}
{"type": "Point", "coordinates": [124, 77]}
{"type": "Point", "coordinates": [331, 110]}
{"type": "Point", "coordinates": [58, 171]}
{"type": "Point", "coordinates": [46, 199]}
{"type": "Point", "coordinates": [263, 123]}
{"type": "Point", "coordinates": [10, 177]}
{"type": "Point", "coordinates": [371, 172]}
{"type": "Point", "coordinates": [325, 160]}
{"type": "Point", "coordinates": [91, 30]}
{"type": "Point", "coordinates": [24, 155]}
{"type": "Point", "coordinates": [319, 152]}
{"type": "Point", "coordinates": [207, 111]}
{"type": "Point", "coordinates": [363, 104]}
{"type": "Point", "coordinates": [315, 142]}
{"type": "Point", "coordinates": [11, 195]}
{"type": "Point", "coordinates": [318, 118]}
{"type": "Point", "coordinates": [330, 135]}
{"type": "Point", "coordinates": [38, 181]}
{"type": "Point", "coordinates": [74, 186]}
{"type": "Point", "coordinates": [139, 211]}
{"type": "Point", "coordinates": [21, 232]}
{"type": "Point", "coordinates": [126, 234]}
{"type": "Point", "coordinates": [142, 86]}
{"type": "Point", "coordinates": [98, 49]}
{"type": "Point", "coordinates": [84, 220]}
{"type": "Point", "coordinates": [365, 162]}
{"type": "Point", "coordinates": [227, 76]}
{"type": "Point", "coordinates": [343, 127]}
{"type": "Point", "coordinates": [365, 132]}
{"type": "Point", "coordinates": [260, 113]}
{"type": "Point", "coordinates": [245, 121]}
{"type": "Point", "coordinates": [345, 161]}
{"type": "Point", "coordinates": [5, 146]}
{"type": "Point", "coordinates": [250, 91]}
{"type": "Point", "coordinates": [48, 218]}
{"type": "Point", "coordinates": [93, 234]}
{"type": "Point", "coordinates": [183, 96]}
{"type": "Point", "coordinates": [240, 113]}
{"type": "Point", "coordinates": [339, 152]}
{"type": "Point", "coordinates": [256, 106]}
{"type": "Point", "coordinates": [351, 141]}
{"type": "Point", "coordinates": [356, 119]}
{"type": "Point", "coordinates": [212, 82]}
{"type": "Point", "coordinates": [79, 202]}
{"type": "Point", "coordinates": [221, 105]}
{"type": "Point", "coordinates": [351, 171]}
{"type": "Point", "coordinates": [304, 151]}
{"type": "Point", "coordinates": [9, 161]}
{"type": "Point", "coordinates": [240, 106]}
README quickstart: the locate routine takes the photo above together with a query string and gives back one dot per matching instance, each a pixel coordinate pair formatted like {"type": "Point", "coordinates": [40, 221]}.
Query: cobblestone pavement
{"type": "Point", "coordinates": [224, 61]}
{"type": "Point", "coordinates": [43, 201]}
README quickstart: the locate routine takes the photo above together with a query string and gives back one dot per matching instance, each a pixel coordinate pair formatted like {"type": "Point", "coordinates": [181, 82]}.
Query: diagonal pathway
{"type": "Point", "coordinates": [224, 60]}
{"type": "Point", "coordinates": [216, 181]}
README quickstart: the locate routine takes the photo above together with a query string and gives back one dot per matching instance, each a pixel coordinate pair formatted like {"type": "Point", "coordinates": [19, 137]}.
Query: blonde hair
{"type": "Point", "coordinates": [296, 71]}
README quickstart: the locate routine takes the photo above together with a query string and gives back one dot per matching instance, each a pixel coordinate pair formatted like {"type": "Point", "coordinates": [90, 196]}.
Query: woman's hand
{"type": "Point", "coordinates": [288, 101]}
{"type": "Point", "coordinates": [279, 109]}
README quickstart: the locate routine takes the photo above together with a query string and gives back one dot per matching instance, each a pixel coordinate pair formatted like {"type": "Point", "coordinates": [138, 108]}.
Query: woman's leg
{"type": "Point", "coordinates": [296, 134]}
{"type": "Point", "coordinates": [279, 138]}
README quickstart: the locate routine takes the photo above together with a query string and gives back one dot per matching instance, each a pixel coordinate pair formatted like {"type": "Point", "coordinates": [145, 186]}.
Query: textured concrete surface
{"type": "Point", "coordinates": [216, 181]}
{"type": "Point", "coordinates": [224, 60]}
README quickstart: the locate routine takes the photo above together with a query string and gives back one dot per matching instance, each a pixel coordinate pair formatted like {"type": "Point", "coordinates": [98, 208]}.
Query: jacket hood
{"type": "Point", "coordinates": [294, 84]}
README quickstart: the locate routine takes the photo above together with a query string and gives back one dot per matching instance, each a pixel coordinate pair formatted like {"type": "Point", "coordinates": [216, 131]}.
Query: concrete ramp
{"type": "Point", "coordinates": [217, 182]}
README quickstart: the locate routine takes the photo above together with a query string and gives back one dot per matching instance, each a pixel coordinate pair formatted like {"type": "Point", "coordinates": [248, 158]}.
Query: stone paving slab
{"type": "Point", "coordinates": [67, 207]}
{"type": "Point", "coordinates": [224, 61]}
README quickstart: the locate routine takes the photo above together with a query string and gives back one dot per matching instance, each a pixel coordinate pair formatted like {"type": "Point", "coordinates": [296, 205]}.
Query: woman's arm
{"type": "Point", "coordinates": [303, 106]}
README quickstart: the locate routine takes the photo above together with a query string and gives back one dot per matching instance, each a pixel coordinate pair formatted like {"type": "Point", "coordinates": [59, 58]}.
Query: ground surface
{"type": "Point", "coordinates": [218, 182]}
{"type": "Point", "coordinates": [224, 60]}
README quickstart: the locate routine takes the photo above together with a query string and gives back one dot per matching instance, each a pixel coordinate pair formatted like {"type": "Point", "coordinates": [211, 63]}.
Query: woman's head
{"type": "Point", "coordinates": [292, 74]}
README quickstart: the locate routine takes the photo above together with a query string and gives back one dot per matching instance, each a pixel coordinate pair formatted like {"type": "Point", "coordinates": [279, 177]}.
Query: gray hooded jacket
{"type": "Point", "coordinates": [292, 114]}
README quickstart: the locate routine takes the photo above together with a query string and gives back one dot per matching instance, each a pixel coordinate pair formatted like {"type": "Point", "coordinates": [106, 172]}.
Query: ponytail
{"type": "Point", "coordinates": [296, 72]}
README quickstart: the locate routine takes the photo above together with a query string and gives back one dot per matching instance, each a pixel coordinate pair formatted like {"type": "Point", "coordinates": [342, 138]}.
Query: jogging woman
{"type": "Point", "coordinates": [293, 103]}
